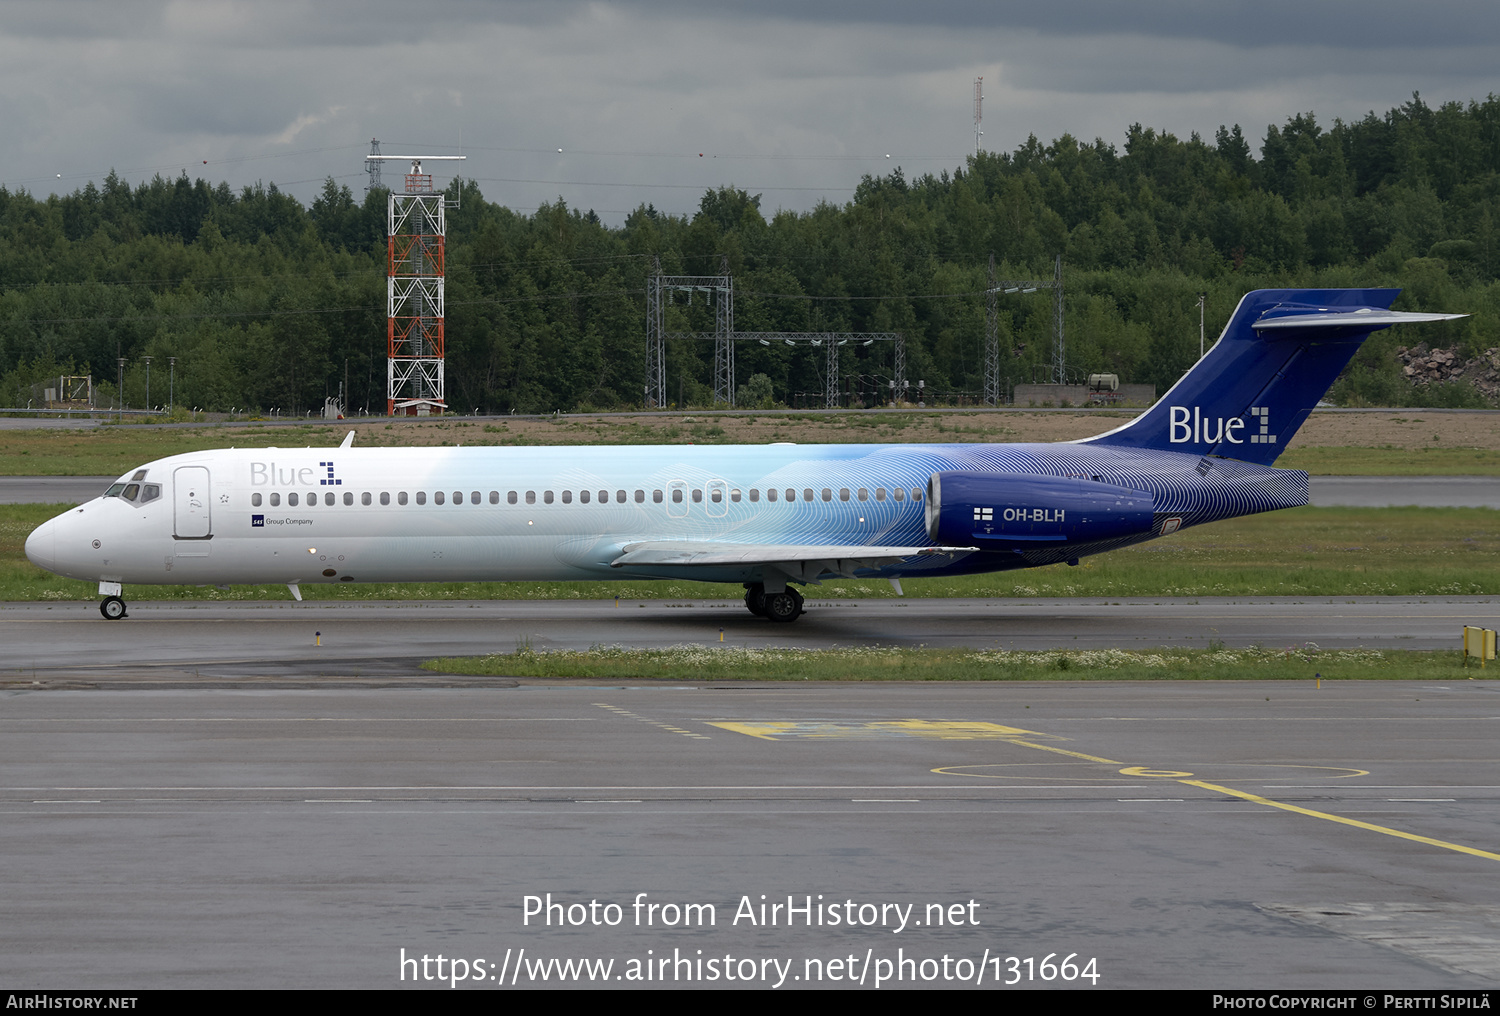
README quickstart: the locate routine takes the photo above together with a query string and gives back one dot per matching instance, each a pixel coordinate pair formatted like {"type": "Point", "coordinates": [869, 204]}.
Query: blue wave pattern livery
{"type": "Point", "coordinates": [770, 517]}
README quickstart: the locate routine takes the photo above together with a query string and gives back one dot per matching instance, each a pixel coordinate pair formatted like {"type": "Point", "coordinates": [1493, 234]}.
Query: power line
{"type": "Point", "coordinates": [662, 186]}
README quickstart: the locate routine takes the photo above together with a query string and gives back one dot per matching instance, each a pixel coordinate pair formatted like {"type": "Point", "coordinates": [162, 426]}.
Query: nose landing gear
{"type": "Point", "coordinates": [113, 608]}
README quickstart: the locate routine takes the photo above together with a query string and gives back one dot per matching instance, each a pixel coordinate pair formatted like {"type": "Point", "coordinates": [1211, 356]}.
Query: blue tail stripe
{"type": "Point", "coordinates": [1247, 397]}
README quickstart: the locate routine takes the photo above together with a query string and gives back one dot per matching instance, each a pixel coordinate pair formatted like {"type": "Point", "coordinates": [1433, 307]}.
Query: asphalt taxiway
{"type": "Point", "coordinates": [202, 795]}
{"type": "Point", "coordinates": [64, 643]}
{"type": "Point", "coordinates": [1213, 835]}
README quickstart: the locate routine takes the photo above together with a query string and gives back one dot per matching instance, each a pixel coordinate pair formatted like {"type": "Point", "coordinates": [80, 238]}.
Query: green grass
{"type": "Point", "coordinates": [110, 451]}
{"type": "Point", "coordinates": [715, 662]}
{"type": "Point", "coordinates": [1323, 552]}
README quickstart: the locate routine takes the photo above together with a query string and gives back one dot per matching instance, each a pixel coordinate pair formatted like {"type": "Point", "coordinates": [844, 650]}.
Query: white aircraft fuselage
{"type": "Point", "coordinates": [764, 516]}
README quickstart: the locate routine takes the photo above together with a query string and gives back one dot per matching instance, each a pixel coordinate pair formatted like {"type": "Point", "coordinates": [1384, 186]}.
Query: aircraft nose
{"type": "Point", "coordinates": [41, 545]}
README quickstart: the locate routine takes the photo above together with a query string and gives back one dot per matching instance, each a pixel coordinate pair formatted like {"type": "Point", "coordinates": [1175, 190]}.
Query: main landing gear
{"type": "Point", "coordinates": [113, 608]}
{"type": "Point", "coordinates": [783, 606]}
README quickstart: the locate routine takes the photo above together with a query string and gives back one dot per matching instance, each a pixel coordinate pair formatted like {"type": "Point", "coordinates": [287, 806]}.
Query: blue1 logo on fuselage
{"type": "Point", "coordinates": [1190, 426]}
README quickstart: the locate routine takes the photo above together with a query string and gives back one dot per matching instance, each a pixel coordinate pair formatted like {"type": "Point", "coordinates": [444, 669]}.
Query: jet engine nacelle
{"type": "Point", "coordinates": [1017, 511]}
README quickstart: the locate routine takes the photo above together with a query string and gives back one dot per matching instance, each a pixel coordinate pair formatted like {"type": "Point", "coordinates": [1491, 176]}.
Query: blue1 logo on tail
{"type": "Point", "coordinates": [1192, 427]}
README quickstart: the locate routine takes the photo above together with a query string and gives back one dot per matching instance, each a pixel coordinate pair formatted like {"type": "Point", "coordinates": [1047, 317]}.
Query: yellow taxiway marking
{"type": "Point", "coordinates": [947, 730]}
{"type": "Point", "coordinates": [941, 730]}
{"type": "Point", "coordinates": [1356, 823]}
{"type": "Point", "coordinates": [1186, 778]}
{"type": "Point", "coordinates": [618, 711]}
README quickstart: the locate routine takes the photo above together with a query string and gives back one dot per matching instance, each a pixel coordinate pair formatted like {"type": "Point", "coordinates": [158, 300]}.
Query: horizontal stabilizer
{"type": "Point", "coordinates": [1365, 317]}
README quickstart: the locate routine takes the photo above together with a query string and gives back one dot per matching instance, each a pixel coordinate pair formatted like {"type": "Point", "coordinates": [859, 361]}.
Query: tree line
{"type": "Point", "coordinates": [267, 304]}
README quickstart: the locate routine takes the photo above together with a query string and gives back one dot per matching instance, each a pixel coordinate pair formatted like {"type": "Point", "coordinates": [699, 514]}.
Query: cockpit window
{"type": "Point", "coordinates": [114, 491]}
{"type": "Point", "coordinates": [140, 474]}
{"type": "Point", "coordinates": [150, 492]}
{"type": "Point", "coordinates": [131, 491]}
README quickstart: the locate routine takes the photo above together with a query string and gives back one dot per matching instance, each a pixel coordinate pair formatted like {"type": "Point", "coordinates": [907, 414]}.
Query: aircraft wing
{"type": "Point", "coordinates": [798, 561]}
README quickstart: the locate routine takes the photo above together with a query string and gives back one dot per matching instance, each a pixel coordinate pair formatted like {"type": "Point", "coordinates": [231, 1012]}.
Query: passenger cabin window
{"type": "Point", "coordinates": [349, 498]}
{"type": "Point", "coordinates": [656, 497]}
{"type": "Point", "coordinates": [754, 495]}
{"type": "Point", "coordinates": [364, 498]}
{"type": "Point", "coordinates": [584, 496]}
{"type": "Point", "coordinates": [254, 500]}
{"type": "Point", "coordinates": [604, 497]}
{"type": "Point", "coordinates": [567, 497]}
{"type": "Point", "coordinates": [494, 497]}
{"type": "Point", "coordinates": [437, 498]}
{"type": "Point", "coordinates": [620, 497]}
{"type": "Point", "coordinates": [531, 497]}
{"type": "Point", "coordinates": [899, 494]}
{"type": "Point", "coordinates": [401, 497]}
{"type": "Point", "coordinates": [385, 497]}
{"type": "Point", "coordinates": [474, 497]}
{"type": "Point", "coordinates": [677, 495]}
{"type": "Point", "coordinates": [275, 500]}
{"type": "Point", "coordinates": [546, 497]}
{"type": "Point", "coordinates": [843, 494]}
{"type": "Point", "coordinates": [421, 497]}
{"type": "Point", "coordinates": [771, 494]}
{"type": "Point", "coordinates": [328, 498]}
{"type": "Point", "coordinates": [312, 498]}
{"type": "Point", "coordinates": [640, 497]}
{"type": "Point", "coordinates": [510, 497]}
{"type": "Point", "coordinates": [880, 493]}
{"type": "Point", "coordinates": [291, 500]}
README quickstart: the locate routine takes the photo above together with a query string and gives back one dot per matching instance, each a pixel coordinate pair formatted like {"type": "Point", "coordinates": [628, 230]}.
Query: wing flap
{"type": "Point", "coordinates": [683, 553]}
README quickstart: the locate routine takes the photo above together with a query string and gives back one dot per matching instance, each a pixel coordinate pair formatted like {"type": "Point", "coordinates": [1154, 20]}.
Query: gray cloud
{"type": "Point", "coordinates": [791, 101]}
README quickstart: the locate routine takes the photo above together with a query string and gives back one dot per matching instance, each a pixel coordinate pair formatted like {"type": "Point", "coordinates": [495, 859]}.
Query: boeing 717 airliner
{"type": "Point", "coordinates": [768, 516]}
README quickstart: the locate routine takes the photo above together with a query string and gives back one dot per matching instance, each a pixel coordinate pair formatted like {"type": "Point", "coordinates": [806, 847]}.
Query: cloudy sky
{"type": "Point", "coordinates": [610, 105]}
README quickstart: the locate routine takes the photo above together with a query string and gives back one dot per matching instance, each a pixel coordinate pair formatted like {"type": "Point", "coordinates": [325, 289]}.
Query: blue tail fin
{"type": "Point", "coordinates": [1279, 354]}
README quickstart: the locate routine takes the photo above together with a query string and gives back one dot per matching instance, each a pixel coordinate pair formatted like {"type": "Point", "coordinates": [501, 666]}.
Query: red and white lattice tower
{"type": "Point", "coordinates": [416, 236]}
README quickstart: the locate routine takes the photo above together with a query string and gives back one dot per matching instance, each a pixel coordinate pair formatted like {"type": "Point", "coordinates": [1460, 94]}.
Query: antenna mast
{"type": "Point", "coordinates": [978, 101]}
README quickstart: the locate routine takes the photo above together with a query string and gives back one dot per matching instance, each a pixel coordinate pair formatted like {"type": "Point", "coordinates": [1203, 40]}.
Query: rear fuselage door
{"type": "Point", "coordinates": [190, 503]}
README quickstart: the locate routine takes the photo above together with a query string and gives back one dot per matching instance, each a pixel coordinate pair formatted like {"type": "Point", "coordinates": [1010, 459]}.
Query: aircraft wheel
{"type": "Point", "coordinates": [784, 606]}
{"type": "Point", "coordinates": [113, 608]}
{"type": "Point", "coordinates": [755, 599]}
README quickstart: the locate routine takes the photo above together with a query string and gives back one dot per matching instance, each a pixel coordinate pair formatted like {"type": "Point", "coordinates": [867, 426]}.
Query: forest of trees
{"type": "Point", "coordinates": [269, 305]}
